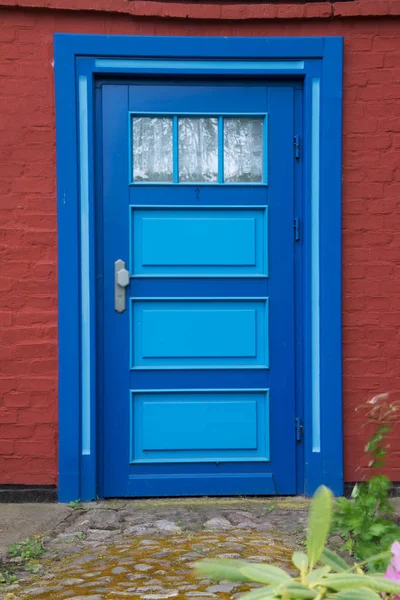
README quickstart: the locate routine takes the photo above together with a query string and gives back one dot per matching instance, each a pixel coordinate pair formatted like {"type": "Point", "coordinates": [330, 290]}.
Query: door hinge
{"type": "Point", "coordinates": [296, 225]}
{"type": "Point", "coordinates": [296, 144]}
{"type": "Point", "coordinates": [299, 429]}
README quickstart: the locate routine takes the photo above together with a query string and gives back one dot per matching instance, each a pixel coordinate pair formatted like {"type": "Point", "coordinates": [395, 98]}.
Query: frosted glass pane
{"type": "Point", "coordinates": [198, 149]}
{"type": "Point", "coordinates": [152, 149]}
{"type": "Point", "coordinates": [243, 150]}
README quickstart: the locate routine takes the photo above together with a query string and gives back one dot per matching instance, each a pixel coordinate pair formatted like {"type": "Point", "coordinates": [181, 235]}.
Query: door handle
{"type": "Point", "coordinates": [121, 281]}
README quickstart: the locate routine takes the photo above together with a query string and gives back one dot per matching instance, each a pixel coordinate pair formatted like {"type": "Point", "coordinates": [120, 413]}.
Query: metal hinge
{"type": "Point", "coordinates": [296, 225]}
{"type": "Point", "coordinates": [299, 429]}
{"type": "Point", "coordinates": [296, 144]}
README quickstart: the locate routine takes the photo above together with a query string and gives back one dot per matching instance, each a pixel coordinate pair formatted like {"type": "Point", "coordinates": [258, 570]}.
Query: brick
{"type": "Point", "coordinates": [363, 43]}
{"type": "Point", "coordinates": [395, 140]}
{"type": "Point", "coordinates": [40, 465]}
{"type": "Point", "coordinates": [37, 416]}
{"type": "Point", "coordinates": [37, 384]}
{"type": "Point", "coordinates": [288, 11]}
{"type": "Point", "coordinates": [33, 286]}
{"type": "Point", "coordinates": [7, 447]}
{"type": "Point", "coordinates": [365, 223]}
{"type": "Point", "coordinates": [8, 415]}
{"type": "Point", "coordinates": [360, 61]}
{"type": "Point", "coordinates": [385, 77]}
{"type": "Point", "coordinates": [370, 351]}
{"type": "Point", "coordinates": [356, 271]}
{"type": "Point", "coordinates": [22, 335]}
{"type": "Point", "coordinates": [15, 432]}
{"type": "Point", "coordinates": [34, 184]}
{"type": "Point", "coordinates": [357, 366]}
{"type": "Point", "coordinates": [365, 125]}
{"type": "Point", "coordinates": [40, 349]}
{"type": "Point", "coordinates": [384, 174]}
{"type": "Point", "coordinates": [7, 34]}
{"type": "Point", "coordinates": [392, 59]}
{"type": "Point", "coordinates": [6, 318]}
{"type": "Point", "coordinates": [373, 93]}
{"type": "Point", "coordinates": [7, 384]}
{"type": "Point", "coordinates": [41, 400]}
{"type": "Point", "coordinates": [16, 400]}
{"type": "Point", "coordinates": [367, 8]}
{"type": "Point", "coordinates": [42, 366]}
{"type": "Point", "coordinates": [41, 302]}
{"type": "Point", "coordinates": [37, 317]}
{"type": "Point", "coordinates": [34, 447]}
{"type": "Point", "coordinates": [46, 431]}
{"type": "Point", "coordinates": [358, 191]}
{"type": "Point", "coordinates": [383, 207]}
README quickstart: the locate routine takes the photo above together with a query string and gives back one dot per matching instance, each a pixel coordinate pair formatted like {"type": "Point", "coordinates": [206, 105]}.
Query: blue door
{"type": "Point", "coordinates": [197, 288]}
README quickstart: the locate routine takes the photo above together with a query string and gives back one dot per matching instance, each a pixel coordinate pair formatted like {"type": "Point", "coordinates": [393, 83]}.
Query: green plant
{"type": "Point", "coordinates": [363, 521]}
{"type": "Point", "coordinates": [322, 573]}
{"type": "Point", "coordinates": [7, 578]}
{"type": "Point", "coordinates": [75, 505]}
{"type": "Point", "coordinates": [181, 524]}
{"type": "Point", "coordinates": [32, 567]}
{"type": "Point", "coordinates": [29, 549]}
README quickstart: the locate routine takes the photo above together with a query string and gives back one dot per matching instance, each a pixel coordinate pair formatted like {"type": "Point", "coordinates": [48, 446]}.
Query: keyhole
{"type": "Point", "coordinates": [197, 192]}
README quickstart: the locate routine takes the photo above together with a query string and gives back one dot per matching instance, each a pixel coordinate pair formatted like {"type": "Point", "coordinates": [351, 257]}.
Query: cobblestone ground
{"type": "Point", "coordinates": [145, 550]}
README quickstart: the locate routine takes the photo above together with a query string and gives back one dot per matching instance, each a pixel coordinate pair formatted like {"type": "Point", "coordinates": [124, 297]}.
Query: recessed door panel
{"type": "Point", "coordinates": [193, 242]}
{"type": "Point", "coordinates": [202, 333]}
{"type": "Point", "coordinates": [219, 426]}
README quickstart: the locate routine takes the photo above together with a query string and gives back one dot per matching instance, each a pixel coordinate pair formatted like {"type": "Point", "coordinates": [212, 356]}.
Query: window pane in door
{"type": "Point", "coordinates": [198, 149]}
{"type": "Point", "coordinates": [152, 149]}
{"type": "Point", "coordinates": [243, 150]}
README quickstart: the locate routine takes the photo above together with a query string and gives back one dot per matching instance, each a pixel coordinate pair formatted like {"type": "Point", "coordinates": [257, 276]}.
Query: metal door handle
{"type": "Point", "coordinates": [121, 281]}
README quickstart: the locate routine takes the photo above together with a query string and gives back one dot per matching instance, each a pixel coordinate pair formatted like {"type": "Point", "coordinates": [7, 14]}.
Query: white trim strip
{"type": "Point", "coordinates": [315, 267]}
{"type": "Point", "coordinates": [200, 65]}
{"type": "Point", "coordinates": [85, 258]}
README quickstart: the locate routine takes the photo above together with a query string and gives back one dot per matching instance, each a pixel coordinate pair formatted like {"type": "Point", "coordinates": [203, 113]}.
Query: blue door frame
{"type": "Point", "coordinates": [317, 62]}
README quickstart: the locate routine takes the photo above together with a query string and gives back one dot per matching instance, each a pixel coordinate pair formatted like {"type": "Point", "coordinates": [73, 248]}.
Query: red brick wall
{"type": "Point", "coordinates": [28, 241]}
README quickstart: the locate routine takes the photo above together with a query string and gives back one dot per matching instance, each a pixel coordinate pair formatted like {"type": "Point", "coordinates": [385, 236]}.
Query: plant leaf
{"type": "Point", "coordinates": [342, 581]}
{"type": "Point", "coordinates": [377, 529]}
{"type": "Point", "coordinates": [319, 524]}
{"type": "Point", "coordinates": [387, 554]}
{"type": "Point", "coordinates": [381, 584]}
{"type": "Point", "coordinates": [264, 573]}
{"type": "Point", "coordinates": [333, 560]}
{"type": "Point", "coordinates": [300, 560]}
{"type": "Point", "coordinates": [297, 590]}
{"type": "Point", "coordinates": [221, 569]}
{"type": "Point", "coordinates": [316, 574]}
{"type": "Point", "coordinates": [260, 593]}
{"type": "Point", "coordinates": [357, 594]}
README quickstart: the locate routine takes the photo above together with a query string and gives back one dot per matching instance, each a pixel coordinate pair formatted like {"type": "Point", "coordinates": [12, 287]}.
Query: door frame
{"type": "Point", "coordinates": [317, 62]}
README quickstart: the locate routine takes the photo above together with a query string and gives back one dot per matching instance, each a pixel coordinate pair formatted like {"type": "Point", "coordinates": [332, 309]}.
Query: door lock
{"type": "Point", "coordinates": [121, 281]}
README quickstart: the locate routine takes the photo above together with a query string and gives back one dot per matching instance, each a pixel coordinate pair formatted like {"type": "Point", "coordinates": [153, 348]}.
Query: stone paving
{"type": "Point", "coordinates": [145, 550]}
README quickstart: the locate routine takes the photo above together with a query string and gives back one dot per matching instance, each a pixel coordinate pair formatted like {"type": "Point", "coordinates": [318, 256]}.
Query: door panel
{"type": "Point", "coordinates": [219, 426]}
{"type": "Point", "coordinates": [199, 334]}
{"type": "Point", "coordinates": [170, 242]}
{"type": "Point", "coordinates": [199, 370]}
